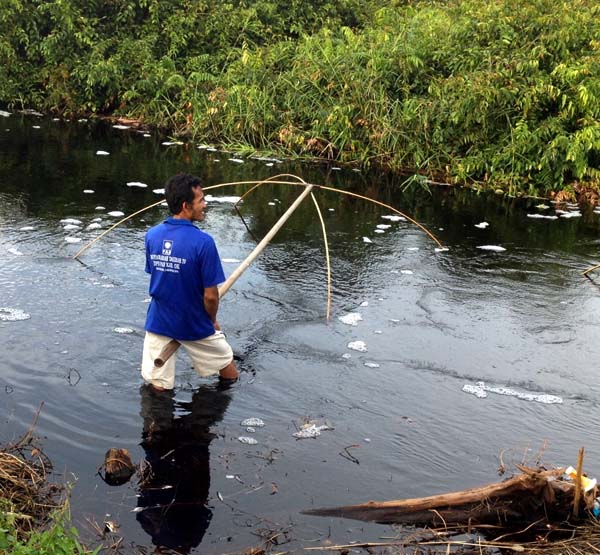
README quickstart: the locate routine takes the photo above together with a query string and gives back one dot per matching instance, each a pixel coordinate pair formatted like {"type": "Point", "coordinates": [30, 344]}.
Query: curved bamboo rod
{"type": "Point", "coordinates": [328, 313]}
{"type": "Point", "coordinates": [590, 270]}
{"type": "Point", "coordinates": [275, 182]}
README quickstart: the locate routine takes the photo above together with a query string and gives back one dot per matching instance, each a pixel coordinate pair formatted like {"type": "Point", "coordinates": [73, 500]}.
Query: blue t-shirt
{"type": "Point", "coordinates": [182, 260]}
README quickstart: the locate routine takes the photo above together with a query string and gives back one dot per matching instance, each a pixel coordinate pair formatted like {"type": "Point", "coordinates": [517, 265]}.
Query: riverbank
{"type": "Point", "coordinates": [503, 96]}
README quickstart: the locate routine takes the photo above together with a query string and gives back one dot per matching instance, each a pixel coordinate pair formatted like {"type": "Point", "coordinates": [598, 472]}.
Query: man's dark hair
{"type": "Point", "coordinates": [180, 189]}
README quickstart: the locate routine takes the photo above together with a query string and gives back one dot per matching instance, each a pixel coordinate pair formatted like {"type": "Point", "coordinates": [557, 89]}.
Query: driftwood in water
{"type": "Point", "coordinates": [524, 498]}
{"type": "Point", "coordinates": [118, 467]}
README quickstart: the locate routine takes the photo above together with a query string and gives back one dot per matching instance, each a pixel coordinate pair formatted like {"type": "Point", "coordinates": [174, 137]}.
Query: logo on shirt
{"type": "Point", "coordinates": [167, 247]}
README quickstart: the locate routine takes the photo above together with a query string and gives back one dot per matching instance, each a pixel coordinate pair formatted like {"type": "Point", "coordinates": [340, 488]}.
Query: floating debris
{"type": "Point", "coordinates": [394, 218]}
{"type": "Point", "coordinates": [116, 213]}
{"type": "Point", "coordinates": [412, 249]}
{"type": "Point", "coordinates": [366, 240]}
{"type": "Point", "coordinates": [442, 249]}
{"type": "Point", "coordinates": [4, 114]}
{"type": "Point", "coordinates": [482, 225]}
{"type": "Point", "coordinates": [102, 153]}
{"type": "Point", "coordinates": [271, 204]}
{"type": "Point", "coordinates": [89, 191]}
{"type": "Point", "coordinates": [360, 346]}
{"type": "Point", "coordinates": [269, 164]}
{"type": "Point", "coordinates": [100, 208]}
{"type": "Point", "coordinates": [13, 314]}
{"type": "Point", "coordinates": [15, 251]}
{"type": "Point", "coordinates": [310, 430]}
{"type": "Point", "coordinates": [171, 143]}
{"type": "Point", "coordinates": [542, 206]}
{"type": "Point", "coordinates": [247, 440]}
{"type": "Point", "coordinates": [364, 303]}
{"type": "Point", "coordinates": [407, 272]}
{"type": "Point", "coordinates": [27, 228]}
{"type": "Point", "coordinates": [36, 126]}
{"type": "Point", "coordinates": [372, 365]}
{"type": "Point", "coordinates": [346, 356]}
{"type": "Point", "coordinates": [158, 191]}
{"type": "Point", "coordinates": [71, 227]}
{"type": "Point", "coordinates": [119, 126]}
{"type": "Point", "coordinates": [93, 226]}
{"type": "Point", "coordinates": [236, 160]}
{"type": "Point", "coordinates": [137, 184]}
{"type": "Point", "coordinates": [383, 226]}
{"type": "Point", "coordinates": [73, 239]}
{"type": "Point", "coordinates": [230, 199]}
{"type": "Point", "coordinates": [331, 209]}
{"type": "Point", "coordinates": [123, 330]}
{"type": "Point", "coordinates": [71, 221]}
{"type": "Point", "coordinates": [253, 422]}
{"type": "Point", "coordinates": [336, 169]}
{"type": "Point", "coordinates": [575, 214]}
{"type": "Point", "coordinates": [230, 260]}
{"type": "Point", "coordinates": [251, 430]}
{"type": "Point", "coordinates": [351, 319]}
{"type": "Point", "coordinates": [494, 248]}
{"type": "Point", "coordinates": [379, 231]}
{"type": "Point", "coordinates": [481, 390]}
{"type": "Point", "coordinates": [542, 217]}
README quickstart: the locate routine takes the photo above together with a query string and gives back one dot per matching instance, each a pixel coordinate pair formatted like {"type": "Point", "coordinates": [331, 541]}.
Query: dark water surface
{"type": "Point", "coordinates": [435, 321]}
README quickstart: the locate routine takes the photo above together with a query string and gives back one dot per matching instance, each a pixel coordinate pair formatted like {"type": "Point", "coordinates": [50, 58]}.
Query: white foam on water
{"type": "Point", "coordinates": [93, 226]}
{"type": "Point", "coordinates": [253, 422]}
{"type": "Point", "coordinates": [394, 218]}
{"type": "Point", "coordinates": [482, 225]}
{"type": "Point", "coordinates": [27, 228]}
{"type": "Point", "coordinates": [230, 260]}
{"type": "Point", "coordinates": [351, 319]}
{"type": "Point", "coordinates": [542, 217]}
{"type": "Point", "coordinates": [89, 191]}
{"type": "Point", "coordinates": [71, 227]}
{"type": "Point", "coordinates": [494, 248]}
{"type": "Point", "coordinates": [15, 251]}
{"type": "Point", "coordinates": [359, 346]}
{"type": "Point", "coordinates": [136, 184]}
{"type": "Point", "coordinates": [481, 390]}
{"type": "Point", "coordinates": [102, 153]}
{"type": "Point", "coordinates": [123, 330]}
{"type": "Point", "coordinates": [372, 365]}
{"type": "Point", "coordinates": [8, 314]}
{"type": "Point", "coordinates": [4, 114]}
{"type": "Point", "coordinates": [247, 440]}
{"type": "Point", "coordinates": [71, 221]}
{"type": "Point", "coordinates": [116, 213]}
{"type": "Point", "coordinates": [366, 240]}
{"type": "Point", "coordinates": [311, 430]}
{"type": "Point", "coordinates": [73, 239]}
{"type": "Point", "coordinates": [226, 200]}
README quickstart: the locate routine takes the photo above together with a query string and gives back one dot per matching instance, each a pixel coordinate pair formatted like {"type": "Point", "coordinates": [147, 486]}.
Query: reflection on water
{"type": "Point", "coordinates": [176, 477]}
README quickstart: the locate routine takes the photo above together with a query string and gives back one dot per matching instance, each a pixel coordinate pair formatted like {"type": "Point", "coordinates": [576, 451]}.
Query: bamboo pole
{"type": "Point", "coordinates": [577, 496]}
{"type": "Point", "coordinates": [172, 346]}
{"type": "Point", "coordinates": [590, 270]}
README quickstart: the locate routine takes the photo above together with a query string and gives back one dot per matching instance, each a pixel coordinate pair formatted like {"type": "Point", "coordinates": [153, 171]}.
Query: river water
{"type": "Point", "coordinates": [522, 320]}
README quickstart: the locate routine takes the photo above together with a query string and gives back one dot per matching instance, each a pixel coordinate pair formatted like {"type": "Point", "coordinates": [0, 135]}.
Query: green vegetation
{"type": "Point", "coordinates": [58, 539]}
{"type": "Point", "coordinates": [505, 93]}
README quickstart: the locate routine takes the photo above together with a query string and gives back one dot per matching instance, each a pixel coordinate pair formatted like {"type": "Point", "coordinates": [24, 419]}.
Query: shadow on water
{"type": "Point", "coordinates": [175, 480]}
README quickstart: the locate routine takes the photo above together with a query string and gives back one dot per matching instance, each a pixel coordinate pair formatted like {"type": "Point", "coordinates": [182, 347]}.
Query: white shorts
{"type": "Point", "coordinates": [209, 356]}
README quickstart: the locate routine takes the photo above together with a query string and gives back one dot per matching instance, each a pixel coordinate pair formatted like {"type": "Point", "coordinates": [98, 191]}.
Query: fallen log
{"type": "Point", "coordinates": [523, 498]}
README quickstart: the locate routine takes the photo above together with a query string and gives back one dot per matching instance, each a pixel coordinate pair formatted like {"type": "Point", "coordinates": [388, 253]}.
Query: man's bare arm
{"type": "Point", "coordinates": [211, 303]}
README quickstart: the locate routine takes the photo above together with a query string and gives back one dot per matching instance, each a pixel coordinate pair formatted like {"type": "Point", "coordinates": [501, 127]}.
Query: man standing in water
{"type": "Point", "coordinates": [185, 270]}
